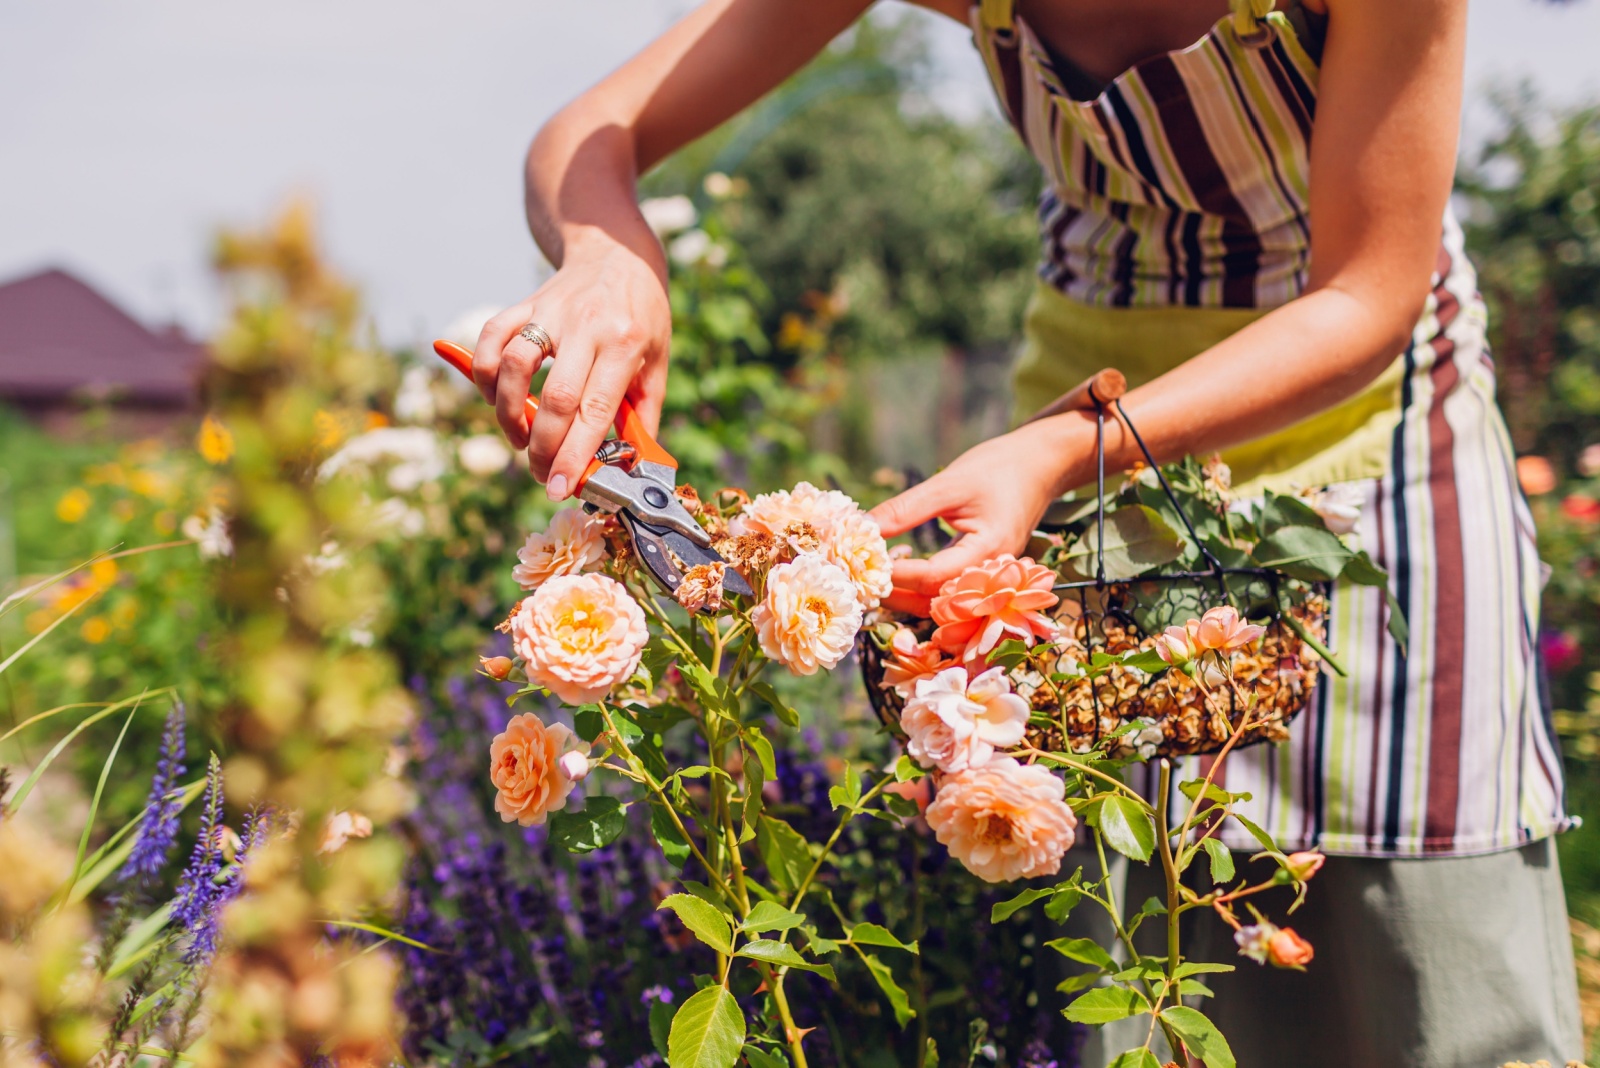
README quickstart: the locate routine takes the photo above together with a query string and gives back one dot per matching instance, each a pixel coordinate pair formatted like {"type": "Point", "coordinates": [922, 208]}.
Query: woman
{"type": "Point", "coordinates": [1189, 146]}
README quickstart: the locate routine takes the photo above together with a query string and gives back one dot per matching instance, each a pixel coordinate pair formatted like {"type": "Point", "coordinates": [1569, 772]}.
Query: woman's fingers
{"type": "Point", "coordinates": [924, 577]}
{"type": "Point", "coordinates": [915, 506]}
{"type": "Point", "coordinates": [503, 366]}
{"type": "Point", "coordinates": [912, 604]}
{"type": "Point", "coordinates": [558, 408]}
{"type": "Point", "coordinates": [608, 383]}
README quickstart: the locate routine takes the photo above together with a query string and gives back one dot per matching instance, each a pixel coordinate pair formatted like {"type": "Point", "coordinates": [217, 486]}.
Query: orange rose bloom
{"type": "Point", "coordinates": [525, 767]}
{"type": "Point", "coordinates": [987, 602]}
{"type": "Point", "coordinates": [910, 660]}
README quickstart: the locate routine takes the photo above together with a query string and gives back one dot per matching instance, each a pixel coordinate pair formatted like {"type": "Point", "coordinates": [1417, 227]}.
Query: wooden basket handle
{"type": "Point", "coordinates": [1098, 389]}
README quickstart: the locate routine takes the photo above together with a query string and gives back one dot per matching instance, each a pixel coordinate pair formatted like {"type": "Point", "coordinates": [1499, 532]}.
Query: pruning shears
{"type": "Point", "coordinates": [633, 477]}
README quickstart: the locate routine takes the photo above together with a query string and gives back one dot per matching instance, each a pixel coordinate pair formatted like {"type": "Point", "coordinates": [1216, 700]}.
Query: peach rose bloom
{"type": "Point", "coordinates": [809, 616]}
{"type": "Point", "coordinates": [579, 635]}
{"type": "Point", "coordinates": [1222, 630]}
{"type": "Point", "coordinates": [702, 587]}
{"type": "Point", "coordinates": [525, 765]}
{"type": "Point", "coordinates": [571, 545]}
{"type": "Point", "coordinates": [994, 599]}
{"type": "Point", "coordinates": [854, 543]}
{"type": "Point", "coordinates": [775, 513]}
{"type": "Point", "coordinates": [1004, 821]}
{"type": "Point", "coordinates": [953, 724]}
{"type": "Point", "coordinates": [1288, 950]}
{"type": "Point", "coordinates": [909, 661]}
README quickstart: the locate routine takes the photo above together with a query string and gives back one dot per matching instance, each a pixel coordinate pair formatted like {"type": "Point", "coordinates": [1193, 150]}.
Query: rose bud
{"type": "Point", "coordinates": [496, 667]}
{"type": "Point", "coordinates": [574, 764]}
{"type": "Point", "coordinates": [1305, 864]}
{"type": "Point", "coordinates": [1288, 950]}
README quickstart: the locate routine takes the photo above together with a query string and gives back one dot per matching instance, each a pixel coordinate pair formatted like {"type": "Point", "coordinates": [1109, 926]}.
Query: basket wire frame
{"type": "Point", "coordinates": [1188, 594]}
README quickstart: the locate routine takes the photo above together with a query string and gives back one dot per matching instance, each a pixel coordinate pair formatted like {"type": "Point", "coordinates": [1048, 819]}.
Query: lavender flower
{"type": "Point", "coordinates": [158, 830]}
{"type": "Point", "coordinates": [206, 886]}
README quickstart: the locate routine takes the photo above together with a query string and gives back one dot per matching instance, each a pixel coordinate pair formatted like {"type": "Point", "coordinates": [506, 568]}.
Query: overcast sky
{"type": "Point", "coordinates": [130, 131]}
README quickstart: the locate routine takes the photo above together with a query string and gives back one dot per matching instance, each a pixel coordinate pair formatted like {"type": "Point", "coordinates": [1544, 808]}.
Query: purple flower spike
{"type": "Point", "coordinates": [158, 830]}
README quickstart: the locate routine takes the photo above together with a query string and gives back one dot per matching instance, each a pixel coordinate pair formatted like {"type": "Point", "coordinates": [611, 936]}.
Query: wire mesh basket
{"type": "Point", "coordinates": [1145, 710]}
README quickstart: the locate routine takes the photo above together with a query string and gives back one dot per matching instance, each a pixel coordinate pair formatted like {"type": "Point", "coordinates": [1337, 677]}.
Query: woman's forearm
{"type": "Point", "coordinates": [1298, 360]}
{"type": "Point", "coordinates": [580, 188]}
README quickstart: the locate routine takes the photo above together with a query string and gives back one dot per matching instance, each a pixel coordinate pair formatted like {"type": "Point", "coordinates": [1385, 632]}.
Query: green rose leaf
{"type": "Point", "coordinates": [1135, 1058]}
{"type": "Point", "coordinates": [1106, 1004]}
{"type": "Point", "coordinates": [760, 1058]}
{"type": "Point", "coordinates": [1006, 909]}
{"type": "Point", "coordinates": [673, 845]}
{"type": "Point", "coordinates": [1200, 1035]}
{"type": "Point", "coordinates": [782, 953]}
{"type": "Point", "coordinates": [1127, 827]}
{"type": "Point", "coordinates": [707, 922]}
{"type": "Point", "coordinates": [891, 989]}
{"type": "Point", "coordinates": [784, 852]}
{"type": "Point", "coordinates": [1137, 539]}
{"type": "Point", "coordinates": [1188, 968]}
{"type": "Point", "coordinates": [763, 750]}
{"type": "Point", "coordinates": [871, 934]}
{"type": "Point", "coordinates": [588, 723]}
{"type": "Point", "coordinates": [707, 1032]}
{"type": "Point", "coordinates": [771, 916]}
{"type": "Point", "coordinates": [661, 1014]}
{"type": "Point", "coordinates": [1084, 951]}
{"type": "Point", "coordinates": [786, 715]}
{"type": "Point", "coordinates": [1278, 511]}
{"type": "Point", "coordinates": [597, 824]}
{"type": "Point", "coordinates": [1314, 554]}
{"type": "Point", "coordinates": [1221, 861]}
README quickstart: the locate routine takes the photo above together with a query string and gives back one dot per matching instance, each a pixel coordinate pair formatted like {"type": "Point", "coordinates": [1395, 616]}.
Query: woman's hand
{"type": "Point", "coordinates": [607, 314]}
{"type": "Point", "coordinates": [994, 494]}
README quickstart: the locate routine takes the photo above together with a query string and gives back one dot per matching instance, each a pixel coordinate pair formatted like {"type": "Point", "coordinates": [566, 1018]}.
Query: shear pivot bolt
{"type": "Point", "coordinates": [655, 496]}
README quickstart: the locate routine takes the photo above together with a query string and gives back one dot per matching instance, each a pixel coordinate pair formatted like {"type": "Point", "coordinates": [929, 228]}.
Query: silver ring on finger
{"type": "Point", "coordinates": [535, 334]}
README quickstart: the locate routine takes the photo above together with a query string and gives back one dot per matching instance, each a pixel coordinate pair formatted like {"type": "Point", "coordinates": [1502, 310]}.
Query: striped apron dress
{"type": "Point", "coordinates": [1176, 212]}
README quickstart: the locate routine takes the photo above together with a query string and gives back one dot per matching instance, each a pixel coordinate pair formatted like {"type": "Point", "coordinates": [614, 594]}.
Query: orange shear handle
{"type": "Point", "coordinates": [630, 427]}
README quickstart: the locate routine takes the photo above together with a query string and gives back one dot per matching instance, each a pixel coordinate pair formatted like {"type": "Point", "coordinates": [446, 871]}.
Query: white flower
{"type": "Point", "coordinates": [1143, 741]}
{"type": "Point", "coordinates": [464, 330]}
{"type": "Point", "coordinates": [413, 401]}
{"type": "Point", "coordinates": [340, 828]}
{"type": "Point", "coordinates": [668, 215]}
{"type": "Point", "coordinates": [809, 616]}
{"type": "Point", "coordinates": [717, 185]}
{"type": "Point", "coordinates": [1339, 505]}
{"type": "Point", "coordinates": [954, 724]}
{"type": "Point", "coordinates": [571, 545]}
{"type": "Point", "coordinates": [399, 517]}
{"type": "Point", "coordinates": [1254, 940]}
{"type": "Point", "coordinates": [210, 534]}
{"type": "Point", "coordinates": [330, 559]}
{"type": "Point", "coordinates": [415, 452]}
{"type": "Point", "coordinates": [691, 247]}
{"type": "Point", "coordinates": [483, 454]}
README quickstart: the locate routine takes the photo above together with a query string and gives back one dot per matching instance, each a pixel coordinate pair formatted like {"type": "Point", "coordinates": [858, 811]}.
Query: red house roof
{"type": "Point", "coordinates": [61, 340]}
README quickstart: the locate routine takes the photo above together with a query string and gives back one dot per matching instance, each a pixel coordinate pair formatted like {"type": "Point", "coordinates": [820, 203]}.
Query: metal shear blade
{"type": "Point", "coordinates": [657, 546]}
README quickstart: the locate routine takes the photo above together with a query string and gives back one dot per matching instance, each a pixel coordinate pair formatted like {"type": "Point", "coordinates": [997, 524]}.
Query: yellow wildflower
{"type": "Point", "coordinates": [73, 505]}
{"type": "Point", "coordinates": [329, 432]}
{"type": "Point", "coordinates": [215, 442]}
{"type": "Point", "coordinates": [103, 573]}
{"type": "Point", "coordinates": [95, 630]}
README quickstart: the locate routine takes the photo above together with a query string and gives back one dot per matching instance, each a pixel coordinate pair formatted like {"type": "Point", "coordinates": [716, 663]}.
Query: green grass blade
{"type": "Point", "coordinates": [372, 928]}
{"type": "Point", "coordinates": [94, 802]}
{"type": "Point", "coordinates": [43, 634]}
{"type": "Point", "coordinates": [47, 713]}
{"type": "Point", "coordinates": [140, 940]}
{"type": "Point", "coordinates": [13, 599]}
{"type": "Point", "coordinates": [49, 758]}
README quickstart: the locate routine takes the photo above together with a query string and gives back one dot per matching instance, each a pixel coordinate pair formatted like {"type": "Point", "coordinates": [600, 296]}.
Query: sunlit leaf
{"type": "Point", "coordinates": [1200, 1035]}
{"type": "Point", "coordinates": [1127, 827]}
{"type": "Point", "coordinates": [1105, 1004]}
{"type": "Point", "coordinates": [708, 923]}
{"type": "Point", "coordinates": [707, 1032]}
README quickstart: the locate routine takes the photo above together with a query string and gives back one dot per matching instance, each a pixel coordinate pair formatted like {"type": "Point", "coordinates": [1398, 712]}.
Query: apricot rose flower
{"type": "Point", "coordinates": [579, 635]}
{"type": "Point", "coordinates": [809, 616]}
{"type": "Point", "coordinates": [571, 545]}
{"type": "Point", "coordinates": [955, 724]}
{"type": "Point", "coordinates": [988, 601]}
{"type": "Point", "coordinates": [526, 767]}
{"type": "Point", "coordinates": [1004, 821]}
{"type": "Point", "coordinates": [909, 661]}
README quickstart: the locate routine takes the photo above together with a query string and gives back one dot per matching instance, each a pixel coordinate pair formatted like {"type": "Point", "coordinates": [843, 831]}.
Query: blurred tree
{"type": "Point", "coordinates": [1534, 230]}
{"type": "Point", "coordinates": [906, 234]}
